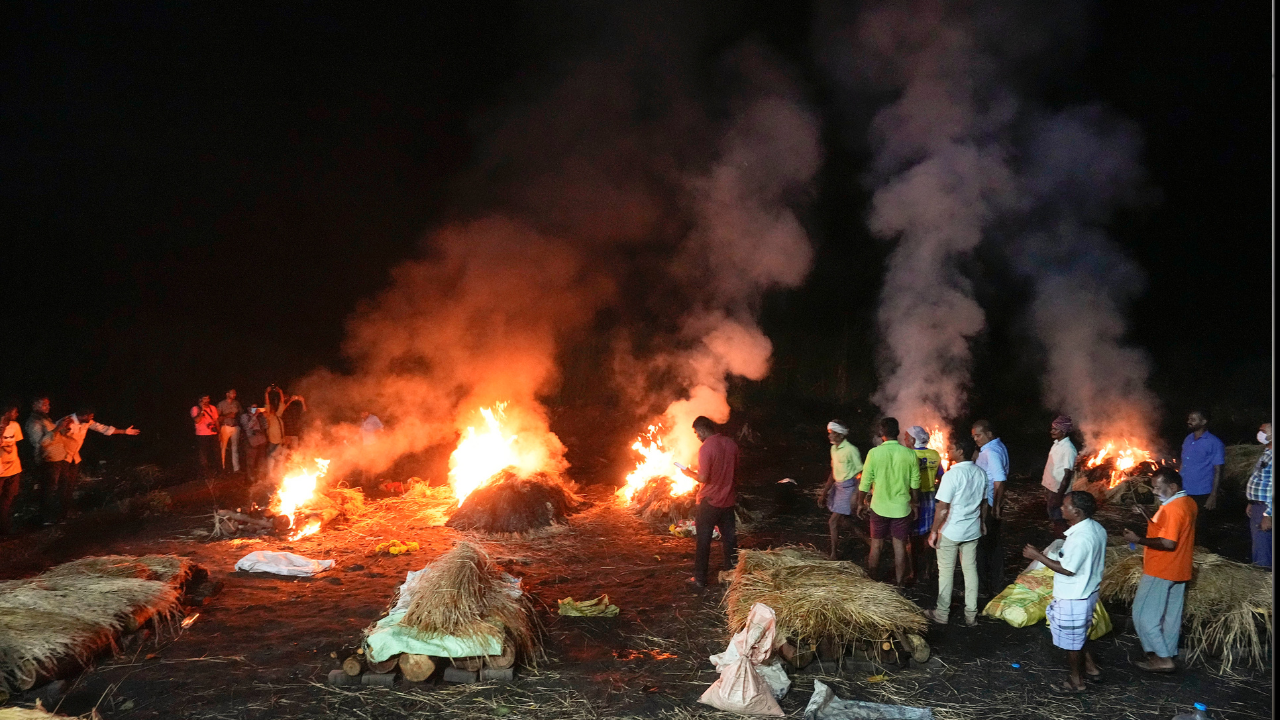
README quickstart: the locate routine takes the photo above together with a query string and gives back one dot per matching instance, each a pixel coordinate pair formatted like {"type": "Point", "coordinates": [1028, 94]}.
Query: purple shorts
{"type": "Point", "coordinates": [883, 527]}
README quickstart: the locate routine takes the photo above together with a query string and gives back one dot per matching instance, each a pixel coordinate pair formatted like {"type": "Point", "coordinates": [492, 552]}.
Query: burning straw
{"type": "Point", "coordinates": [817, 599]}
{"type": "Point", "coordinates": [510, 503]}
{"type": "Point", "coordinates": [1226, 603]}
{"type": "Point", "coordinates": [466, 596]}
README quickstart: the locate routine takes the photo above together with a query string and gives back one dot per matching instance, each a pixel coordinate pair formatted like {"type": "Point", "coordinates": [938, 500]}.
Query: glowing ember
{"type": "Point", "coordinates": [938, 441]}
{"type": "Point", "coordinates": [1122, 459]}
{"type": "Point", "coordinates": [656, 461]}
{"type": "Point", "coordinates": [310, 528]}
{"type": "Point", "coordinates": [481, 454]}
{"type": "Point", "coordinates": [297, 489]}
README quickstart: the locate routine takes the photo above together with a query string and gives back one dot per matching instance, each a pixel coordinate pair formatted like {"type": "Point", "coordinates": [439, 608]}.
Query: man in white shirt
{"type": "Point", "coordinates": [1058, 470]}
{"type": "Point", "coordinates": [63, 455]}
{"type": "Point", "coordinates": [993, 458]}
{"type": "Point", "coordinates": [958, 521]}
{"type": "Point", "coordinates": [1077, 575]}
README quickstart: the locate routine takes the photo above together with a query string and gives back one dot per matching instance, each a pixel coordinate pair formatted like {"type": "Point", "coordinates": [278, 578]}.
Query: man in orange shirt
{"type": "Point", "coordinates": [1166, 568]}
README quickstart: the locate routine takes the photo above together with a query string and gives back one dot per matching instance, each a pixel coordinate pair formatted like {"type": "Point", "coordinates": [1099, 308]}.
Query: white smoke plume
{"type": "Point", "coordinates": [746, 241]}
{"type": "Point", "coordinates": [941, 177]}
{"type": "Point", "coordinates": [1081, 164]}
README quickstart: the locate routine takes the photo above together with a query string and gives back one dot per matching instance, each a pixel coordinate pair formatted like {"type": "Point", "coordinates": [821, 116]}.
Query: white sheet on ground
{"type": "Point", "coordinates": [824, 705]}
{"type": "Point", "coordinates": [281, 563]}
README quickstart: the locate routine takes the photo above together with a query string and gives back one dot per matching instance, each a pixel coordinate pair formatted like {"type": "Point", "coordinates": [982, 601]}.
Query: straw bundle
{"type": "Point", "coordinates": [654, 503]}
{"type": "Point", "coordinates": [1240, 462]}
{"type": "Point", "coordinates": [1225, 603]}
{"type": "Point", "coordinates": [435, 504]}
{"type": "Point", "coordinates": [465, 595]}
{"type": "Point", "coordinates": [515, 504]}
{"type": "Point", "coordinates": [165, 568]}
{"type": "Point", "coordinates": [818, 599]}
{"type": "Point", "coordinates": [338, 502]}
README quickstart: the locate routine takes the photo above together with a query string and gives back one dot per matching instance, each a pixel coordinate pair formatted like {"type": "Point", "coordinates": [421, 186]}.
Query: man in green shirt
{"type": "Point", "coordinates": [891, 475]}
{"type": "Point", "coordinates": [837, 494]}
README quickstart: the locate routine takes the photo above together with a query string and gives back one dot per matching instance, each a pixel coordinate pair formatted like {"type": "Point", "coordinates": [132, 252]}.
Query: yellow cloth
{"type": "Point", "coordinates": [1024, 602]}
{"type": "Point", "coordinates": [599, 607]}
{"type": "Point", "coordinates": [846, 461]}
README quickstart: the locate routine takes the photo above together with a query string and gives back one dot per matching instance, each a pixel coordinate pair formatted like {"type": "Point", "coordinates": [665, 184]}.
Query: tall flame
{"type": "Point", "coordinates": [939, 442]}
{"type": "Point", "coordinates": [656, 461]}
{"type": "Point", "coordinates": [481, 454]}
{"type": "Point", "coordinates": [296, 490]}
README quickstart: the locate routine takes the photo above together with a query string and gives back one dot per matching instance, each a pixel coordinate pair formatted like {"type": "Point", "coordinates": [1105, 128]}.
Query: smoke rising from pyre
{"type": "Point", "coordinates": [675, 221]}
{"type": "Point", "coordinates": [958, 158]}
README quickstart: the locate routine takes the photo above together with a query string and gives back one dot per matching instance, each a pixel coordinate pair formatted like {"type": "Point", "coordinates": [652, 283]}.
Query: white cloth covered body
{"type": "Point", "coordinates": [824, 705]}
{"type": "Point", "coordinates": [741, 687]}
{"type": "Point", "coordinates": [281, 563]}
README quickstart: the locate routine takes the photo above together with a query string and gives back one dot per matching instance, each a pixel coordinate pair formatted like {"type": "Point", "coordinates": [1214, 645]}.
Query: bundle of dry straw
{"type": "Point", "coordinates": [816, 599]}
{"type": "Point", "coordinates": [1239, 466]}
{"type": "Point", "coordinates": [654, 502]}
{"type": "Point", "coordinates": [1226, 610]}
{"type": "Point", "coordinates": [511, 503]}
{"type": "Point", "coordinates": [75, 610]}
{"type": "Point", "coordinates": [465, 595]}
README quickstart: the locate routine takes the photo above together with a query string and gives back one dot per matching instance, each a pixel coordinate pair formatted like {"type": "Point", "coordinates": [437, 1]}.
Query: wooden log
{"type": "Point", "coordinates": [920, 650]}
{"type": "Point", "coordinates": [469, 664]}
{"type": "Point", "coordinates": [497, 674]}
{"type": "Point", "coordinates": [383, 666]}
{"type": "Point", "coordinates": [503, 661]}
{"type": "Point", "coordinates": [797, 657]}
{"type": "Point", "coordinates": [828, 650]}
{"type": "Point", "coordinates": [341, 678]}
{"type": "Point", "coordinates": [374, 679]}
{"type": "Point", "coordinates": [455, 674]}
{"type": "Point", "coordinates": [353, 666]}
{"type": "Point", "coordinates": [416, 668]}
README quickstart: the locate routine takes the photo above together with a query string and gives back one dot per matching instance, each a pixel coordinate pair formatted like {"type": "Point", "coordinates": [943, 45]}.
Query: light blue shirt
{"type": "Point", "coordinates": [994, 461]}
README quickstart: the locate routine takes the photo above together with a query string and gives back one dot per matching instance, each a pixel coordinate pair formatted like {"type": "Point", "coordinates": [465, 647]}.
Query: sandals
{"type": "Point", "coordinates": [1147, 666]}
{"type": "Point", "coordinates": [1065, 688]}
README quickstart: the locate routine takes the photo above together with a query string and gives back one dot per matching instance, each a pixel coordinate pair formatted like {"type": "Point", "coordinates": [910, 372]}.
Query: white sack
{"type": "Point", "coordinates": [740, 687]}
{"type": "Point", "coordinates": [281, 563]}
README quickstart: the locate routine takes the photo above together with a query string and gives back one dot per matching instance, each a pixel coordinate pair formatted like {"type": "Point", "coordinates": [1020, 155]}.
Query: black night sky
{"type": "Point", "coordinates": [196, 195]}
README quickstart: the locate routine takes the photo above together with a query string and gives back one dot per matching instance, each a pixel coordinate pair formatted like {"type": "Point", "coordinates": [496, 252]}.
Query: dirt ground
{"type": "Point", "coordinates": [263, 646]}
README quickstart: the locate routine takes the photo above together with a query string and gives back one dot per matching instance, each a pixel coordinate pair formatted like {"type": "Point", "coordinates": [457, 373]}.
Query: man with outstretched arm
{"type": "Point", "coordinates": [837, 493]}
{"type": "Point", "coordinates": [63, 456]}
{"type": "Point", "coordinates": [1077, 575]}
{"type": "Point", "coordinates": [717, 477]}
{"type": "Point", "coordinates": [1166, 568]}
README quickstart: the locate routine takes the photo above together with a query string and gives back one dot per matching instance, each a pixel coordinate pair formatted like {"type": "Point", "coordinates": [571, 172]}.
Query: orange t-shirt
{"type": "Point", "coordinates": [1176, 521]}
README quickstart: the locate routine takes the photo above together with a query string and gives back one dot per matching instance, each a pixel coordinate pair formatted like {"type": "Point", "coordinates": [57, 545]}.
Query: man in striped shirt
{"type": "Point", "coordinates": [1258, 492]}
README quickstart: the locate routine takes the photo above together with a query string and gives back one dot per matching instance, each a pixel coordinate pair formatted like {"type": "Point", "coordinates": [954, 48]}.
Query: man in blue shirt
{"type": "Point", "coordinates": [993, 458]}
{"type": "Point", "coordinates": [1203, 456]}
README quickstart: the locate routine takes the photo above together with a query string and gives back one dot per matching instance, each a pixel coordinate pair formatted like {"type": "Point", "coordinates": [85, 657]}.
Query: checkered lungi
{"type": "Point", "coordinates": [1069, 621]}
{"type": "Point", "coordinates": [925, 522]}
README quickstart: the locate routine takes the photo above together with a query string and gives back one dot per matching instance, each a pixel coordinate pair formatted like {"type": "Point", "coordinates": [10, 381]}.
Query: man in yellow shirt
{"type": "Point", "coordinates": [891, 476]}
{"type": "Point", "coordinates": [837, 494]}
{"type": "Point", "coordinates": [919, 554]}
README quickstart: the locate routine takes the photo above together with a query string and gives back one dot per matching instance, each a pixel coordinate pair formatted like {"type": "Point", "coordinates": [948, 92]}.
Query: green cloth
{"type": "Point", "coordinates": [846, 461]}
{"type": "Point", "coordinates": [389, 638]}
{"type": "Point", "coordinates": [891, 473]}
{"type": "Point", "coordinates": [599, 607]}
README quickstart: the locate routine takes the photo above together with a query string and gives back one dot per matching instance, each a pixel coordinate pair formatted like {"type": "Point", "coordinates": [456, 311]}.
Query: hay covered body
{"type": "Point", "coordinates": [816, 599]}
{"type": "Point", "coordinates": [1226, 611]}
{"type": "Point", "coordinates": [510, 503]}
{"type": "Point", "coordinates": [654, 502]}
{"type": "Point", "coordinates": [77, 609]}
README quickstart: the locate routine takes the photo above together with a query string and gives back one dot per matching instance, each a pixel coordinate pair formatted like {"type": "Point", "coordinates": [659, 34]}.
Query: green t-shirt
{"type": "Point", "coordinates": [846, 461]}
{"type": "Point", "coordinates": [891, 473]}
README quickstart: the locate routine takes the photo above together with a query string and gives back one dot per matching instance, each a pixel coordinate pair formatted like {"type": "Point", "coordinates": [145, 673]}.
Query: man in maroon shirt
{"type": "Point", "coordinates": [717, 474]}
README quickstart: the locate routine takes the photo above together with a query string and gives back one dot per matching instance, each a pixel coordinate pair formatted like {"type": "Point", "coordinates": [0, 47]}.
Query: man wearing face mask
{"type": "Point", "coordinates": [1166, 568]}
{"type": "Point", "coordinates": [1258, 493]}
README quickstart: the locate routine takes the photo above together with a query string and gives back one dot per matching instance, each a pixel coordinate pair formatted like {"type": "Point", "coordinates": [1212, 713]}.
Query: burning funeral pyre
{"type": "Point", "coordinates": [501, 484]}
{"type": "Point", "coordinates": [1120, 472]}
{"type": "Point", "coordinates": [297, 509]}
{"type": "Point", "coordinates": [656, 490]}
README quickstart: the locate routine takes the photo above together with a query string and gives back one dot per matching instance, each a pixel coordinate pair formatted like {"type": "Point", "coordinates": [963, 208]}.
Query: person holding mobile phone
{"type": "Point", "coordinates": [717, 476]}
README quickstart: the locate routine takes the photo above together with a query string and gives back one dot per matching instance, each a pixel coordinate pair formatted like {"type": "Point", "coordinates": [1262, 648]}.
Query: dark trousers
{"type": "Point", "coordinates": [708, 516]}
{"type": "Point", "coordinates": [1201, 515]}
{"type": "Point", "coordinates": [8, 492]}
{"type": "Point", "coordinates": [210, 453]}
{"type": "Point", "coordinates": [59, 484]}
{"type": "Point", "coordinates": [255, 456]}
{"type": "Point", "coordinates": [991, 559]}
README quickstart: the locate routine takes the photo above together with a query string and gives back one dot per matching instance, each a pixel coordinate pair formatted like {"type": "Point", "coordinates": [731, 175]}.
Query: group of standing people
{"type": "Point", "coordinates": [266, 431]}
{"type": "Point", "coordinates": [55, 458]}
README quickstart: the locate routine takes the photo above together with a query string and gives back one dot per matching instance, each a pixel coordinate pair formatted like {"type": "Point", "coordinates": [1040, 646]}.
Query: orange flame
{"type": "Point", "coordinates": [481, 454]}
{"type": "Point", "coordinates": [1122, 459]}
{"type": "Point", "coordinates": [310, 528]}
{"type": "Point", "coordinates": [656, 461]}
{"type": "Point", "coordinates": [939, 442]}
{"type": "Point", "coordinates": [297, 490]}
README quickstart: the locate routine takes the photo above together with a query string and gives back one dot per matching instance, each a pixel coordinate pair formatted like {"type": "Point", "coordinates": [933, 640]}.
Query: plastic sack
{"type": "Point", "coordinates": [824, 705]}
{"type": "Point", "coordinates": [740, 687]}
{"type": "Point", "coordinates": [1023, 603]}
{"type": "Point", "coordinates": [281, 563]}
{"type": "Point", "coordinates": [597, 607]}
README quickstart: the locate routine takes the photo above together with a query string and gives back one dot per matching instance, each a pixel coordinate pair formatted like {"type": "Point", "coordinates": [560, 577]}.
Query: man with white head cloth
{"type": "Point", "coordinates": [837, 493]}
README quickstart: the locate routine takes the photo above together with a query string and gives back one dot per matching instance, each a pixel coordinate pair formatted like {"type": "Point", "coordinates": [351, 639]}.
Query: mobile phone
{"type": "Point", "coordinates": [679, 465]}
